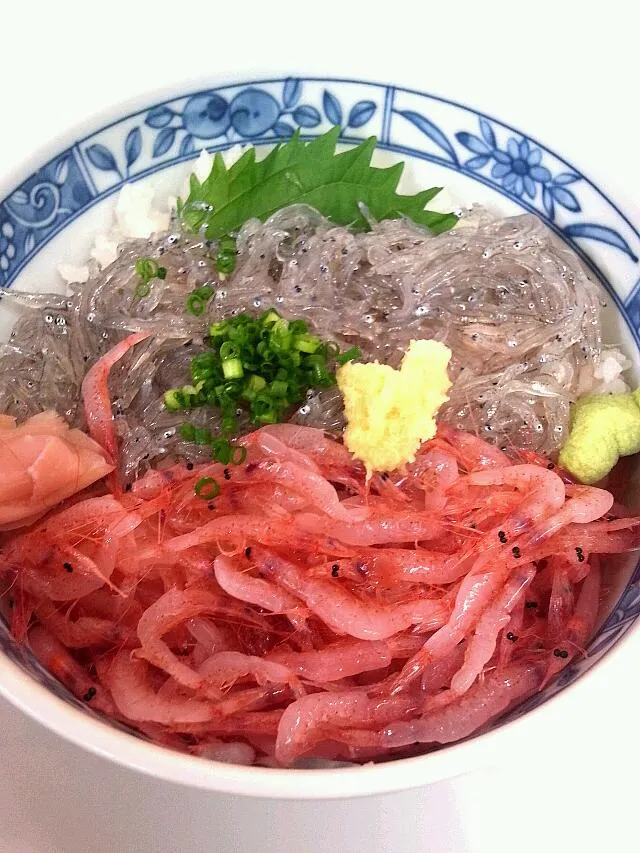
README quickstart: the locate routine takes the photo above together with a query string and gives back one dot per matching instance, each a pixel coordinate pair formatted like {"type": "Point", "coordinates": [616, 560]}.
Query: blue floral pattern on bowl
{"type": "Point", "coordinates": [472, 144]}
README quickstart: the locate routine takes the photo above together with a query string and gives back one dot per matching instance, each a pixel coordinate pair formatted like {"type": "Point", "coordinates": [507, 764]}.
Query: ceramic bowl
{"type": "Point", "coordinates": [51, 208]}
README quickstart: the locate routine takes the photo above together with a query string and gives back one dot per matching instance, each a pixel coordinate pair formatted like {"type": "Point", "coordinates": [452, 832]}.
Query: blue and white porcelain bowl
{"type": "Point", "coordinates": [54, 206]}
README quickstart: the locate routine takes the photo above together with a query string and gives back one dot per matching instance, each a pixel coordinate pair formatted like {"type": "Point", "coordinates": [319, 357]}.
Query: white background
{"type": "Point", "coordinates": [537, 64]}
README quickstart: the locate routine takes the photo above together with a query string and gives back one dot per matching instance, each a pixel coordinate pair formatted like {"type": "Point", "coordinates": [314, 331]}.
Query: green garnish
{"type": "Point", "coordinates": [207, 488]}
{"type": "Point", "coordinates": [147, 269]}
{"type": "Point", "coordinates": [349, 355]}
{"type": "Point", "coordinates": [226, 257]}
{"type": "Point", "coordinates": [295, 172]}
{"type": "Point", "coordinates": [221, 448]}
{"type": "Point", "coordinates": [197, 301]}
{"type": "Point", "coordinates": [264, 365]}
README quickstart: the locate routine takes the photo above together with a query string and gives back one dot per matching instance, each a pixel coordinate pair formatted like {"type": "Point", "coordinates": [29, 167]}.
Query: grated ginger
{"type": "Point", "coordinates": [391, 412]}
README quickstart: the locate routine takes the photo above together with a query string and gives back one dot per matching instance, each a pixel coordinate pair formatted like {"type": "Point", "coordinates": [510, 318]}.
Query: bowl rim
{"type": "Point", "coordinates": [90, 733]}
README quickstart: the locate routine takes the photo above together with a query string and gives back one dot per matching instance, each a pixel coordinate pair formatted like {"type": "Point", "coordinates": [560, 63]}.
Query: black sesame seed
{"type": "Point", "coordinates": [297, 288]}
{"type": "Point", "coordinates": [580, 555]}
{"type": "Point", "coordinates": [530, 604]}
{"type": "Point", "coordinates": [67, 567]}
{"type": "Point", "coordinates": [516, 552]}
{"type": "Point", "coordinates": [502, 536]}
{"type": "Point", "coordinates": [88, 696]}
{"type": "Point", "coordinates": [211, 506]}
{"type": "Point", "coordinates": [189, 466]}
{"type": "Point", "coordinates": [247, 552]}
{"type": "Point", "coordinates": [384, 476]}
{"type": "Point", "coordinates": [335, 570]}
{"type": "Point", "coordinates": [551, 466]}
{"type": "Point", "coordinates": [511, 636]}
{"type": "Point", "coordinates": [561, 653]}
{"type": "Point", "coordinates": [227, 474]}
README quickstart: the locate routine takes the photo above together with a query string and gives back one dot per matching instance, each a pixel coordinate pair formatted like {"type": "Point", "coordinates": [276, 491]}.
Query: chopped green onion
{"type": "Point", "coordinates": [232, 368]}
{"type": "Point", "coordinates": [187, 431]}
{"type": "Point", "coordinates": [172, 400]}
{"type": "Point", "coordinates": [262, 404]}
{"type": "Point", "coordinates": [228, 350]}
{"type": "Point", "coordinates": [261, 365]}
{"type": "Point", "coordinates": [306, 343]}
{"type": "Point", "coordinates": [192, 390]}
{"type": "Point", "coordinates": [270, 317]}
{"type": "Point", "coordinates": [201, 435]}
{"type": "Point", "coordinates": [207, 488]}
{"type": "Point", "coordinates": [205, 292]}
{"type": "Point", "coordinates": [279, 388]}
{"type": "Point", "coordinates": [227, 244]}
{"type": "Point", "coordinates": [221, 450]}
{"type": "Point", "coordinates": [256, 383]}
{"type": "Point", "coordinates": [239, 454]}
{"type": "Point", "coordinates": [227, 255]}
{"type": "Point", "coordinates": [147, 269]}
{"type": "Point", "coordinates": [197, 300]}
{"type": "Point", "coordinates": [195, 305]}
{"type": "Point", "coordinates": [189, 396]}
{"type": "Point", "coordinates": [229, 423]}
{"type": "Point", "coordinates": [232, 389]}
{"type": "Point", "coordinates": [217, 330]}
{"type": "Point", "coordinates": [349, 355]}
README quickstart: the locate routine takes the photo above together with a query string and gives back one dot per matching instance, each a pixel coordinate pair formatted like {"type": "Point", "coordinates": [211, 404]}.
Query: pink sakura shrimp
{"type": "Point", "coordinates": [302, 614]}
